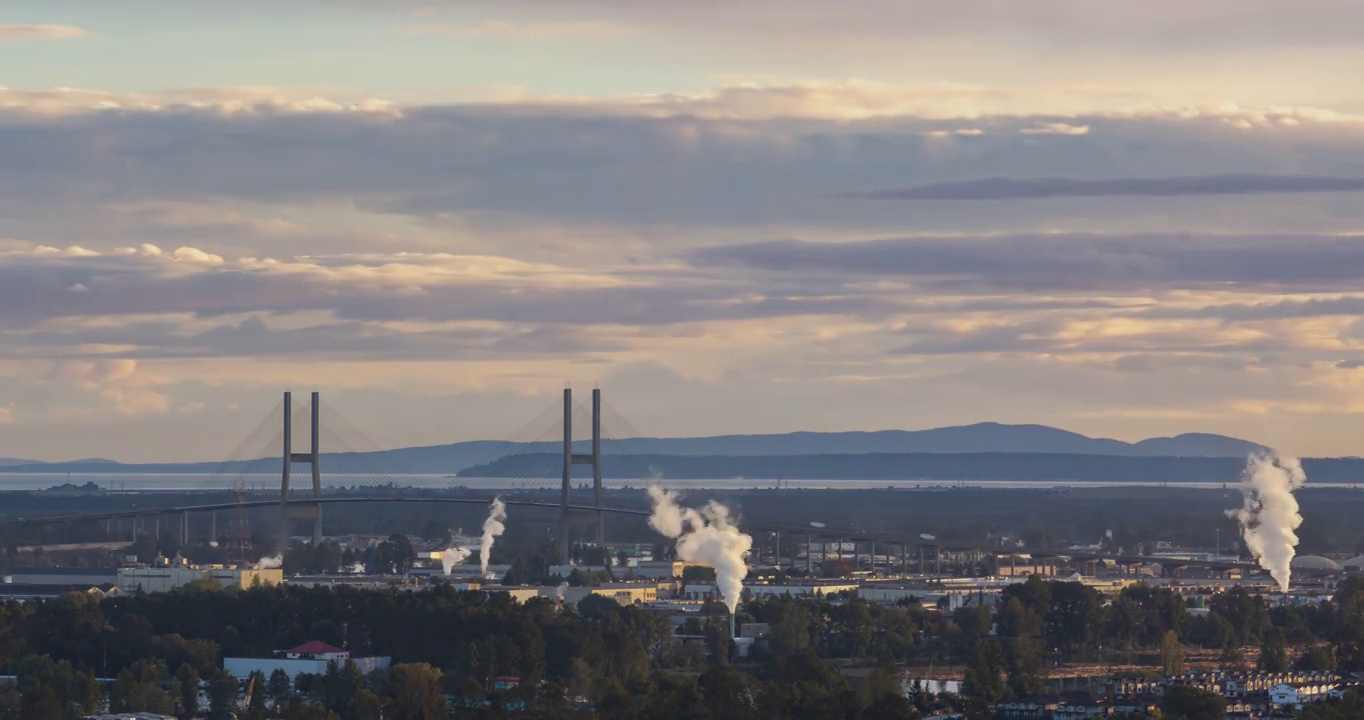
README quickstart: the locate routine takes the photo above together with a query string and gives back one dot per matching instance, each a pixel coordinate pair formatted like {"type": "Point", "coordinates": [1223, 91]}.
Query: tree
{"type": "Point", "coordinates": [222, 695]}
{"type": "Point", "coordinates": [52, 689]}
{"type": "Point", "coordinates": [395, 555]}
{"type": "Point", "coordinates": [255, 708]}
{"type": "Point", "coordinates": [415, 692]}
{"type": "Point", "coordinates": [1172, 653]}
{"type": "Point", "coordinates": [882, 695]}
{"type": "Point", "coordinates": [188, 678]}
{"type": "Point", "coordinates": [1076, 612]}
{"type": "Point", "coordinates": [982, 681]}
{"type": "Point", "coordinates": [1316, 657]}
{"type": "Point", "coordinates": [1026, 666]}
{"type": "Point", "coordinates": [139, 688]}
{"type": "Point", "coordinates": [365, 706]}
{"type": "Point", "coordinates": [1183, 702]}
{"type": "Point", "coordinates": [1274, 652]}
{"type": "Point", "coordinates": [436, 531]}
{"type": "Point", "coordinates": [279, 686]}
{"type": "Point", "coordinates": [1232, 659]}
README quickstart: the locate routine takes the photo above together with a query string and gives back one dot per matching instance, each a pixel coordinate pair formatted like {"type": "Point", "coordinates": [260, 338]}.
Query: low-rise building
{"type": "Point", "coordinates": [23, 592]}
{"type": "Point", "coordinates": [1026, 708]}
{"type": "Point", "coordinates": [310, 658]}
{"type": "Point", "coordinates": [661, 569]}
{"type": "Point", "coordinates": [63, 576]}
{"type": "Point", "coordinates": [623, 593]}
{"type": "Point", "coordinates": [811, 590]}
{"type": "Point", "coordinates": [164, 578]}
{"type": "Point", "coordinates": [130, 716]}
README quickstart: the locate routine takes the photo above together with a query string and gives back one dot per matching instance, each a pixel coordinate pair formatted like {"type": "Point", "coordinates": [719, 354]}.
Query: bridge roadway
{"type": "Point", "coordinates": [344, 499]}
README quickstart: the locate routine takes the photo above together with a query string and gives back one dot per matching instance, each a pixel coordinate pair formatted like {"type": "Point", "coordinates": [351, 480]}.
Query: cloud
{"type": "Point", "coordinates": [1056, 128]}
{"type": "Point", "coordinates": [732, 158]}
{"type": "Point", "coordinates": [1167, 25]}
{"type": "Point", "coordinates": [146, 303]}
{"type": "Point", "coordinates": [502, 30]}
{"type": "Point", "coordinates": [1070, 262]}
{"type": "Point", "coordinates": [10, 33]}
{"type": "Point", "coordinates": [1044, 188]}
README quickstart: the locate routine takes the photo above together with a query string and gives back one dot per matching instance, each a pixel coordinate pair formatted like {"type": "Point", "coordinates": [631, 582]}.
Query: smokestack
{"type": "Point", "coordinates": [732, 634]}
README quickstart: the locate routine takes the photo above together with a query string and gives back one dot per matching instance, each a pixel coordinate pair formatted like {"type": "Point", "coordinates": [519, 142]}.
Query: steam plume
{"type": "Point", "coordinates": [492, 527]}
{"type": "Point", "coordinates": [1269, 513]}
{"type": "Point", "coordinates": [451, 557]}
{"type": "Point", "coordinates": [559, 592]}
{"type": "Point", "coordinates": [707, 537]}
{"type": "Point", "coordinates": [270, 563]}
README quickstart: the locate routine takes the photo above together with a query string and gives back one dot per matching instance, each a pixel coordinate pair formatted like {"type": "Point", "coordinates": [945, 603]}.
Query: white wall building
{"type": "Point", "coordinates": [310, 658]}
{"type": "Point", "coordinates": [164, 578]}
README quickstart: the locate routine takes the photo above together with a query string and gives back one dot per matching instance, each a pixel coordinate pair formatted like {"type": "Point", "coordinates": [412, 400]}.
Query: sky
{"type": "Point", "coordinates": [1123, 219]}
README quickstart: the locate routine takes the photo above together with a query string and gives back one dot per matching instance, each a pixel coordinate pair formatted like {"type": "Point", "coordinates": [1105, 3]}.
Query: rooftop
{"type": "Point", "coordinates": [315, 647]}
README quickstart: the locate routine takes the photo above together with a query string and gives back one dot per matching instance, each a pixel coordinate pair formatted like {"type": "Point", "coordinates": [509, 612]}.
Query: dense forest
{"type": "Point", "coordinates": [600, 659]}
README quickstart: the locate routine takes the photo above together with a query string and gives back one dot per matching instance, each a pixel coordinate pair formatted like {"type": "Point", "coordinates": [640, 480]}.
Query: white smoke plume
{"type": "Point", "coordinates": [453, 556]}
{"type": "Point", "coordinates": [559, 592]}
{"type": "Point", "coordinates": [1269, 512]}
{"type": "Point", "coordinates": [492, 527]}
{"type": "Point", "coordinates": [358, 568]}
{"type": "Point", "coordinates": [707, 537]}
{"type": "Point", "coordinates": [270, 563]}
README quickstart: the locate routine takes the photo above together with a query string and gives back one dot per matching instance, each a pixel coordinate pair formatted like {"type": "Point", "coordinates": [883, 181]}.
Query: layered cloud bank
{"type": "Point", "coordinates": [161, 253]}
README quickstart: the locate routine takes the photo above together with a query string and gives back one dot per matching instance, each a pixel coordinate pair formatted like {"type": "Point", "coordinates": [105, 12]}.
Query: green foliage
{"type": "Point", "coordinates": [1351, 707]}
{"type": "Point", "coordinates": [1274, 652]}
{"type": "Point", "coordinates": [188, 678]}
{"type": "Point", "coordinates": [308, 558]}
{"type": "Point", "coordinates": [222, 695]}
{"type": "Point", "coordinates": [53, 690]}
{"type": "Point", "coordinates": [1182, 702]}
{"type": "Point", "coordinates": [141, 687]}
{"type": "Point", "coordinates": [393, 556]}
{"type": "Point", "coordinates": [1172, 653]}
{"type": "Point", "coordinates": [416, 693]}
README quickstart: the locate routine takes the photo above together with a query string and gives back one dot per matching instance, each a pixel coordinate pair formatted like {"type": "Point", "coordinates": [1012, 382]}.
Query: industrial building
{"type": "Point", "coordinates": [310, 658]}
{"type": "Point", "coordinates": [164, 578]}
{"type": "Point", "coordinates": [623, 593]}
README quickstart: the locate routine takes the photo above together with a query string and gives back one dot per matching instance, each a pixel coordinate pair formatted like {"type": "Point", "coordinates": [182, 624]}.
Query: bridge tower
{"type": "Point", "coordinates": [566, 518]}
{"type": "Point", "coordinates": [313, 459]}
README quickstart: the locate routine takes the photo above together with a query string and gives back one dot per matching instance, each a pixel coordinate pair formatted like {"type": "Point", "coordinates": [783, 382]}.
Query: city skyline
{"type": "Point", "coordinates": [1124, 222]}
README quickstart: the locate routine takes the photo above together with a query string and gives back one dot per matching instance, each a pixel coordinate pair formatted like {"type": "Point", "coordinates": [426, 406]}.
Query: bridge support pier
{"type": "Point", "coordinates": [566, 519]}
{"type": "Point", "coordinates": [313, 458]}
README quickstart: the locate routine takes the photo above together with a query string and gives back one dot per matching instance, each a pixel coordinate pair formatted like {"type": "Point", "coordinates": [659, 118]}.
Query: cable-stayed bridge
{"type": "Point", "coordinates": [303, 457]}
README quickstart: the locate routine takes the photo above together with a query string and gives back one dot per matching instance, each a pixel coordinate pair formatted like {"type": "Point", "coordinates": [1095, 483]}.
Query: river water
{"type": "Point", "coordinates": [152, 482]}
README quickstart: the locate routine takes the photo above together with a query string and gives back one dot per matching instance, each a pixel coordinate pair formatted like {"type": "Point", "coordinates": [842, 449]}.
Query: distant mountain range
{"type": "Point", "coordinates": [925, 467]}
{"type": "Point", "coordinates": [955, 441]}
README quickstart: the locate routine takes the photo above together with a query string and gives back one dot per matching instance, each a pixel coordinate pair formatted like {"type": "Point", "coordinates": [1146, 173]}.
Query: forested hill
{"type": "Point", "coordinates": [965, 439]}
{"type": "Point", "coordinates": [928, 467]}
